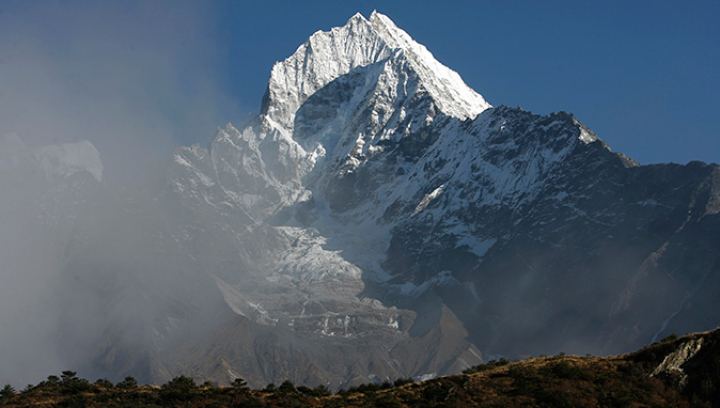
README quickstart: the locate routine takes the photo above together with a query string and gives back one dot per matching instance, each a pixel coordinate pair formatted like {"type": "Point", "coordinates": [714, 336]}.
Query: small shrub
{"type": "Point", "coordinates": [487, 366]}
{"type": "Point", "coordinates": [252, 402]}
{"type": "Point", "coordinates": [518, 371]}
{"type": "Point", "coordinates": [181, 383]}
{"type": "Point", "coordinates": [565, 370]}
{"type": "Point", "coordinates": [270, 388]}
{"type": "Point", "coordinates": [104, 397]}
{"type": "Point", "coordinates": [7, 392]}
{"type": "Point", "coordinates": [214, 404]}
{"type": "Point", "coordinates": [402, 381]}
{"type": "Point", "coordinates": [321, 391]}
{"type": "Point", "coordinates": [178, 389]}
{"type": "Point", "coordinates": [287, 387]}
{"type": "Point", "coordinates": [554, 398]}
{"type": "Point", "coordinates": [104, 383]}
{"type": "Point", "coordinates": [241, 386]}
{"type": "Point", "coordinates": [128, 383]}
{"type": "Point", "coordinates": [71, 384]}
{"type": "Point", "coordinates": [387, 401]}
{"type": "Point", "coordinates": [366, 388]}
{"type": "Point", "coordinates": [74, 401]}
{"type": "Point", "coordinates": [68, 377]}
{"type": "Point", "coordinates": [53, 381]}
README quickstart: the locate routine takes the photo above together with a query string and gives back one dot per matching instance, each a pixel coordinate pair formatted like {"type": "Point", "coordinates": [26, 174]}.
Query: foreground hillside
{"type": "Point", "coordinates": [681, 372]}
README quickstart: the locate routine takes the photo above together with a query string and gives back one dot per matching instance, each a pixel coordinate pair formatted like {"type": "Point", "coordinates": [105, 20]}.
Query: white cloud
{"type": "Point", "coordinates": [134, 78]}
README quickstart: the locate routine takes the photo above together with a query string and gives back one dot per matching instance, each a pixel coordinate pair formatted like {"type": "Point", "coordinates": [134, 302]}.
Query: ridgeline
{"type": "Point", "coordinates": [677, 372]}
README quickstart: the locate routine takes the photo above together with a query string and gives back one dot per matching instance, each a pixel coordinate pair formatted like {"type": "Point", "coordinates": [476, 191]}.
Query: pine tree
{"type": "Point", "coordinates": [7, 392]}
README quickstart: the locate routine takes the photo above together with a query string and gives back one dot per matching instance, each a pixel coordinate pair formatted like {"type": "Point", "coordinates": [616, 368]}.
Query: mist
{"type": "Point", "coordinates": [133, 78]}
{"type": "Point", "coordinates": [92, 279]}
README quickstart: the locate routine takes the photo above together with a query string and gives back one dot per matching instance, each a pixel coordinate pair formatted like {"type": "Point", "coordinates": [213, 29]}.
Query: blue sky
{"type": "Point", "coordinates": [138, 77]}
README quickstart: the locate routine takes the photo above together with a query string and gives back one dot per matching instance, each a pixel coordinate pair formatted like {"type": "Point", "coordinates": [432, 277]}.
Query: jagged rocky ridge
{"type": "Point", "coordinates": [378, 219]}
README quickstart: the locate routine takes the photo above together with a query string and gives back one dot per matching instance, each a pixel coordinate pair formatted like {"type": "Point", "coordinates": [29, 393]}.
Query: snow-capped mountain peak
{"type": "Point", "coordinates": [57, 161]}
{"type": "Point", "coordinates": [328, 55]}
{"type": "Point", "coordinates": [324, 57]}
{"type": "Point", "coordinates": [448, 89]}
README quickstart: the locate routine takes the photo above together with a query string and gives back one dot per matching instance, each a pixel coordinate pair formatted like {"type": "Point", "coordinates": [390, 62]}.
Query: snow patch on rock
{"type": "Point", "coordinates": [63, 160]}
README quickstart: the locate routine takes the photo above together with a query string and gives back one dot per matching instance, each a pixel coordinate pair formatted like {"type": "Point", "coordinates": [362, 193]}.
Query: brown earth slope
{"type": "Point", "coordinates": [682, 372]}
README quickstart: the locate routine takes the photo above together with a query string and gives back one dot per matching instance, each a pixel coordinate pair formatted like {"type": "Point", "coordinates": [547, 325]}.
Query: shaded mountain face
{"type": "Point", "coordinates": [378, 219]}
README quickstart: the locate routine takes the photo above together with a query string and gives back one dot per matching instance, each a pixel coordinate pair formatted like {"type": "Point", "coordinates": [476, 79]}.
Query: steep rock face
{"type": "Point", "coordinates": [575, 244]}
{"type": "Point", "coordinates": [690, 363]}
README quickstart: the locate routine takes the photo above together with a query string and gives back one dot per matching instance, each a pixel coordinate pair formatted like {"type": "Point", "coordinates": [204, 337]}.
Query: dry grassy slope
{"type": "Point", "coordinates": [681, 373]}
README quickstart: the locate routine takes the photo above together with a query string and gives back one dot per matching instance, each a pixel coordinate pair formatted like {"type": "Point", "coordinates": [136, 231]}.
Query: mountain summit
{"type": "Point", "coordinates": [327, 56]}
{"type": "Point", "coordinates": [379, 219]}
